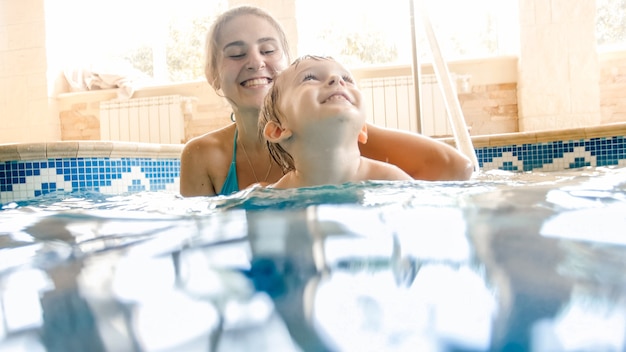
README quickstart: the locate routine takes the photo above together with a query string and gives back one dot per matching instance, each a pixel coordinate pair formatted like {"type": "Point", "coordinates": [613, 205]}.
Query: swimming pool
{"type": "Point", "coordinates": [507, 261]}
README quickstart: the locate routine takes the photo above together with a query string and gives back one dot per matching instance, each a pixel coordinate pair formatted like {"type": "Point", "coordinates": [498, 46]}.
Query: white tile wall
{"type": "Point", "coordinates": [559, 79]}
{"type": "Point", "coordinates": [24, 110]}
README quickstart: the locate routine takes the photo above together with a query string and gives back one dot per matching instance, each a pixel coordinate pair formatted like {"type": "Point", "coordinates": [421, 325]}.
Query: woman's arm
{"type": "Point", "coordinates": [421, 157]}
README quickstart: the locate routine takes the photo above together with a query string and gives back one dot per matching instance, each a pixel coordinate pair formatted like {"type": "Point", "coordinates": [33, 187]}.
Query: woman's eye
{"type": "Point", "coordinates": [268, 52]}
{"type": "Point", "coordinates": [235, 54]}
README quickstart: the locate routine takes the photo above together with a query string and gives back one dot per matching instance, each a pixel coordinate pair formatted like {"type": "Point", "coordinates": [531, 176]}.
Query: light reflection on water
{"type": "Point", "coordinates": [502, 262]}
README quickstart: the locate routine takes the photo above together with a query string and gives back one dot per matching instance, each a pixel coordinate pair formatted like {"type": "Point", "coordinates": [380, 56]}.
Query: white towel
{"type": "Point", "coordinates": [121, 77]}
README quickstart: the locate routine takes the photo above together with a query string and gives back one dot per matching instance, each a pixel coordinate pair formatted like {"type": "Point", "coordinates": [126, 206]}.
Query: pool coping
{"type": "Point", "coordinates": [86, 149]}
{"type": "Point", "coordinates": [567, 134]}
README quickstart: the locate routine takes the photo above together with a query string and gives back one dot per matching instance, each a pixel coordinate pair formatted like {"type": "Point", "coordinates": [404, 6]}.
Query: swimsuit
{"type": "Point", "coordinates": [231, 185]}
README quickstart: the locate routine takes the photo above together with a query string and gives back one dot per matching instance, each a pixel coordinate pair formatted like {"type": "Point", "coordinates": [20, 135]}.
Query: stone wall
{"type": "Point", "coordinates": [490, 109]}
{"type": "Point", "coordinates": [79, 113]}
{"type": "Point", "coordinates": [613, 87]}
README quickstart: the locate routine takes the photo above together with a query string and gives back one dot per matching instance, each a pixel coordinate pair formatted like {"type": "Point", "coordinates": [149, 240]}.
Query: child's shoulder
{"type": "Point", "coordinates": [380, 170]}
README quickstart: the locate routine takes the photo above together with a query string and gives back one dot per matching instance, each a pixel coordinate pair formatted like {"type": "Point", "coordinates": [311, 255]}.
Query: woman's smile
{"type": "Point", "coordinates": [255, 82]}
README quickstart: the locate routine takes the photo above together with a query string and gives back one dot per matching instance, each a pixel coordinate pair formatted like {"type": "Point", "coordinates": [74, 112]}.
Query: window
{"type": "Point", "coordinates": [162, 39]}
{"type": "Point", "coordinates": [611, 24]}
{"type": "Point", "coordinates": [364, 33]}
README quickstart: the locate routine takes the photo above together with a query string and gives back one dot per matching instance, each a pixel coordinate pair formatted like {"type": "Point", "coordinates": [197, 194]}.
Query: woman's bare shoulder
{"type": "Point", "coordinates": [204, 162]}
{"type": "Point", "coordinates": [221, 139]}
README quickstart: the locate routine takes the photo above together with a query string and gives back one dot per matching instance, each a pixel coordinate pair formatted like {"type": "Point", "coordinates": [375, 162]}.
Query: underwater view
{"type": "Point", "coordinates": [507, 261]}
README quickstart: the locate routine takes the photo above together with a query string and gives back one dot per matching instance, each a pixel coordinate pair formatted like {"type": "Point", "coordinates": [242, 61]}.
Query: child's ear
{"type": "Point", "coordinates": [363, 135]}
{"type": "Point", "coordinates": [275, 133]}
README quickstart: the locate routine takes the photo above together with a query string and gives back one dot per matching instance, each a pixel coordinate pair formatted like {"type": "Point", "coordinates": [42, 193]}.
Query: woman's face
{"type": "Point", "coordinates": [249, 58]}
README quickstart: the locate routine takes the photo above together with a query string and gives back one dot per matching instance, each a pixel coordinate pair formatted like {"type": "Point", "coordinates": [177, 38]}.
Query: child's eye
{"type": "Point", "coordinates": [308, 77]}
{"type": "Point", "coordinates": [348, 79]}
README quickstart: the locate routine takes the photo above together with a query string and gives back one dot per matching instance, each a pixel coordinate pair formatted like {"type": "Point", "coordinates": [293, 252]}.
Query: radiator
{"type": "Point", "coordinates": [151, 120]}
{"type": "Point", "coordinates": [390, 102]}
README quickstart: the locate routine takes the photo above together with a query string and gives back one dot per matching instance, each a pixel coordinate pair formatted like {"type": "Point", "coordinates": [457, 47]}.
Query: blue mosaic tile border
{"type": "Point", "coordinates": [555, 156]}
{"type": "Point", "coordinates": [21, 180]}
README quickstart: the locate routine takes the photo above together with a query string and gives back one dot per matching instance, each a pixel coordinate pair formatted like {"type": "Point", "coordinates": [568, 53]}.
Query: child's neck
{"type": "Point", "coordinates": [330, 165]}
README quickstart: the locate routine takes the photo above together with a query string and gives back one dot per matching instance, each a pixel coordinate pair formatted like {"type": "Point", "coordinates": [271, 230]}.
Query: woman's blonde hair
{"type": "Point", "coordinates": [211, 51]}
{"type": "Point", "coordinates": [270, 111]}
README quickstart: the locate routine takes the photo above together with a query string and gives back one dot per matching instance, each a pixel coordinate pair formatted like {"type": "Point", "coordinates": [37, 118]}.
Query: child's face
{"type": "Point", "coordinates": [315, 90]}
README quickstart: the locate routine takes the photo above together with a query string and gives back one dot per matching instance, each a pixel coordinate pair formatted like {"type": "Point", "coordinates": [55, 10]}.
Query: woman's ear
{"type": "Point", "coordinates": [275, 133]}
{"type": "Point", "coordinates": [363, 135]}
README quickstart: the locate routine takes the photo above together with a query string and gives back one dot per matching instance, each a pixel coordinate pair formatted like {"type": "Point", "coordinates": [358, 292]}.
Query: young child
{"type": "Point", "coordinates": [312, 120]}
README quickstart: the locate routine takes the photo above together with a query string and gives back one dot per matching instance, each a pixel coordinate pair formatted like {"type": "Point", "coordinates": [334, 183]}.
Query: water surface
{"type": "Point", "coordinates": [505, 261]}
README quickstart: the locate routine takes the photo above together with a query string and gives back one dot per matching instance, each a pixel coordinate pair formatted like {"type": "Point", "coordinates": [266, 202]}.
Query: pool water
{"type": "Point", "coordinates": [503, 262]}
